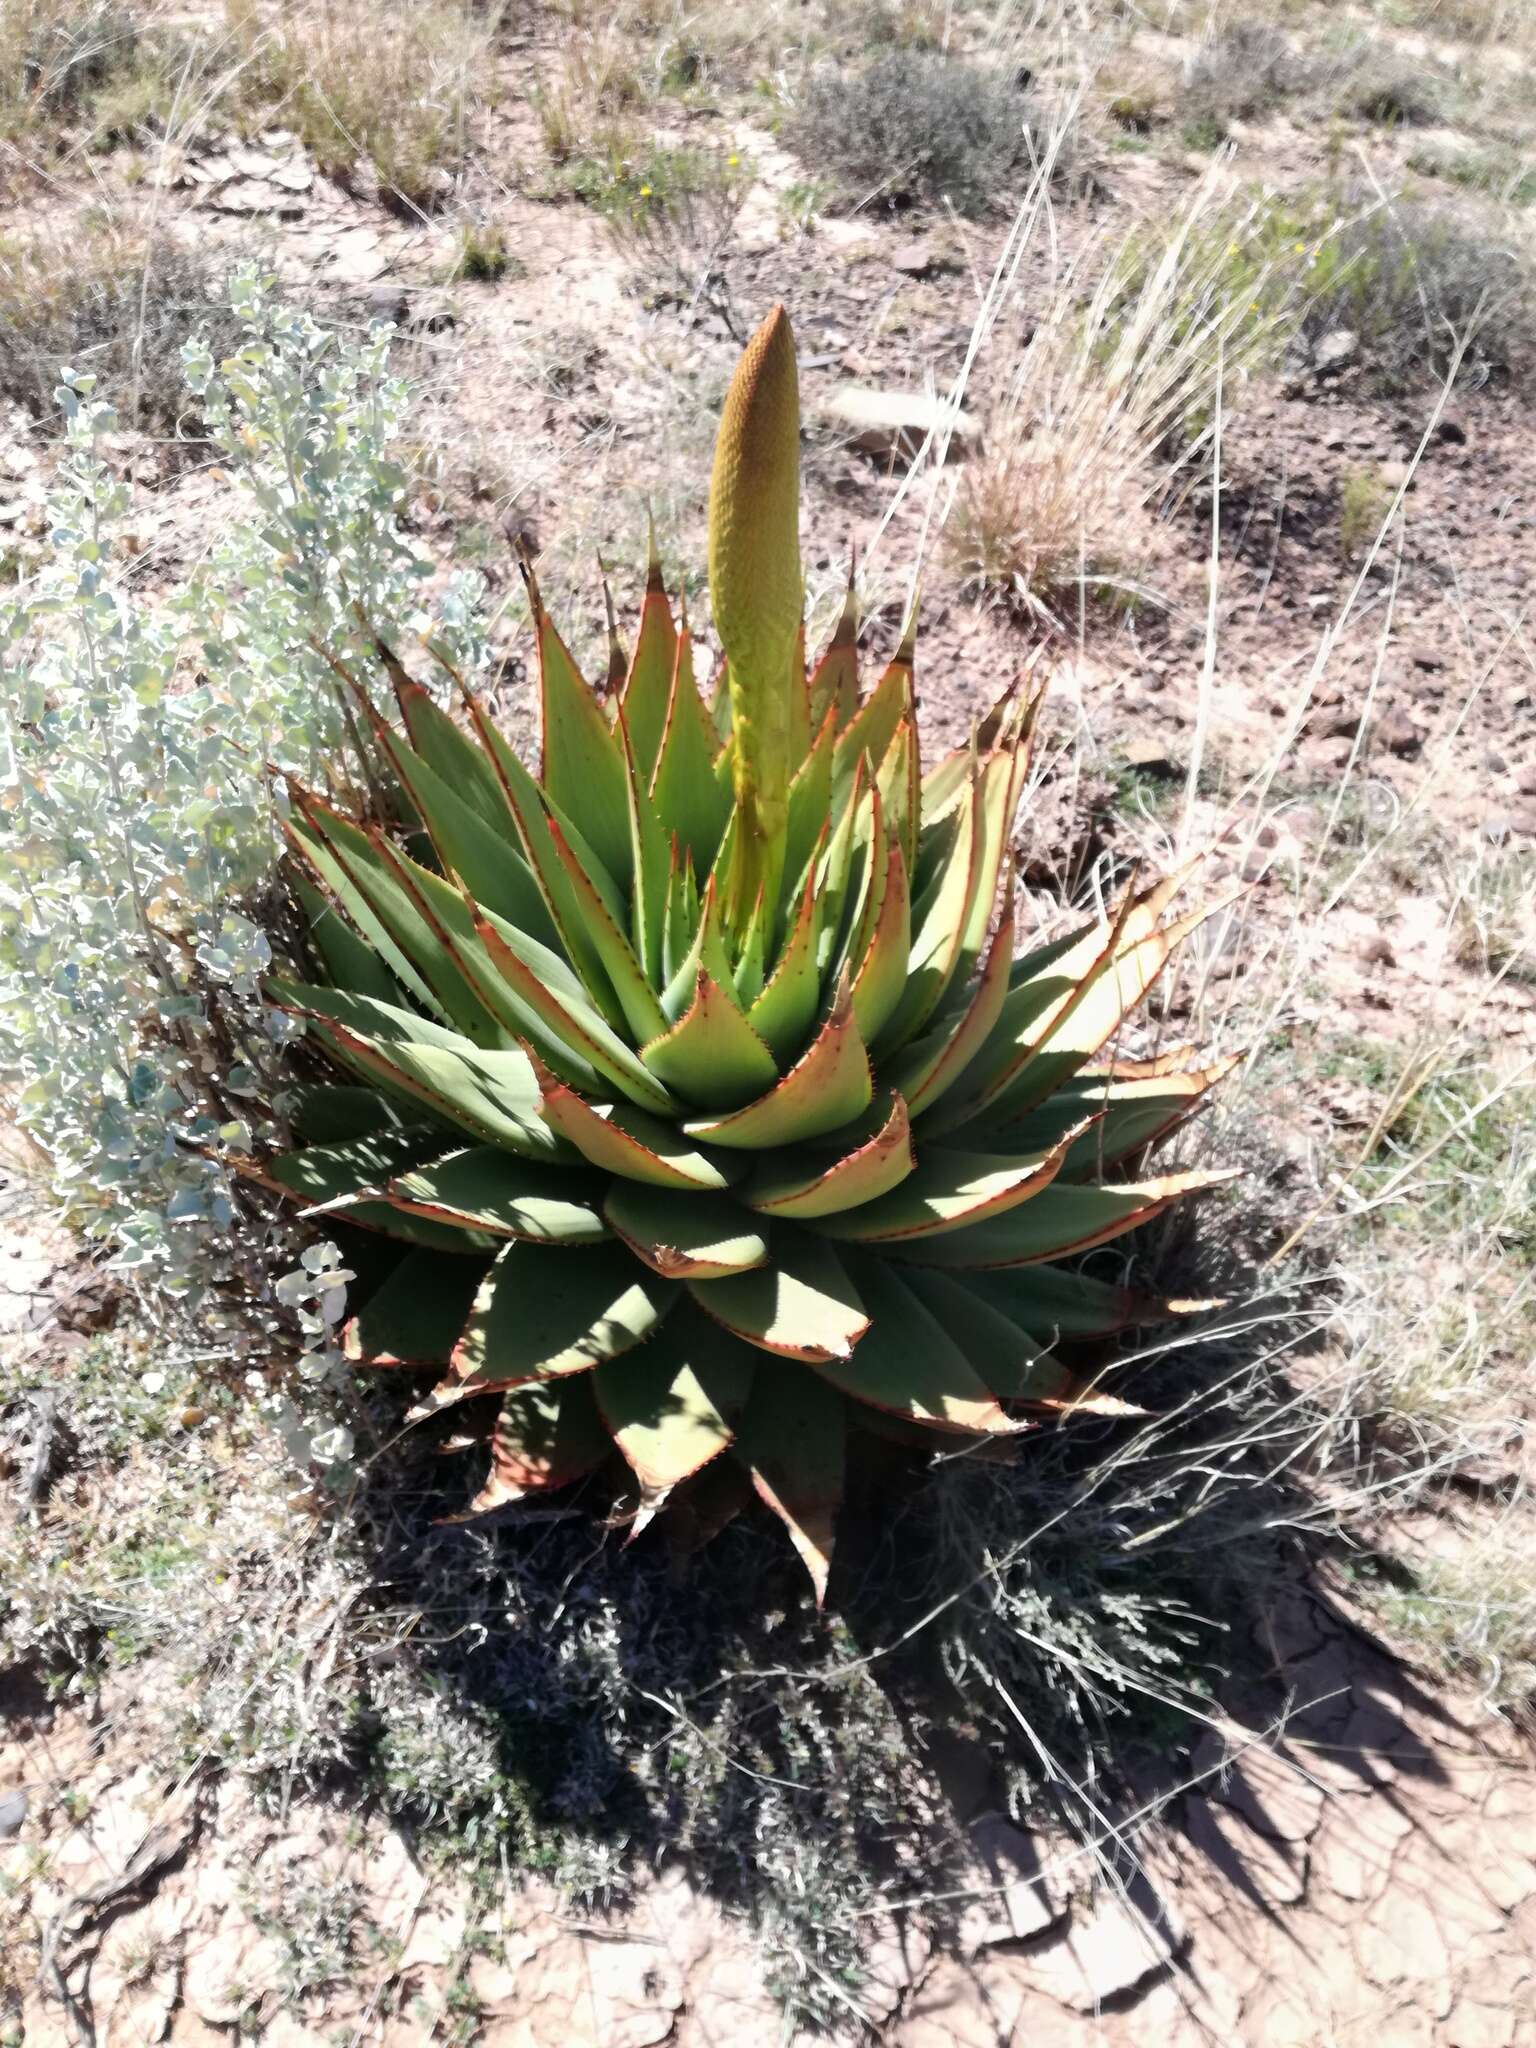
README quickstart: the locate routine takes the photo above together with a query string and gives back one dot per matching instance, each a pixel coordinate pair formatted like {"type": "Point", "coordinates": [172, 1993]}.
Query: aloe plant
{"type": "Point", "coordinates": [701, 1107]}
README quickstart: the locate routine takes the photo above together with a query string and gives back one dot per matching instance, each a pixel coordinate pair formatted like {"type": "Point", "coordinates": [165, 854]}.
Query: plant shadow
{"type": "Point", "coordinates": [1024, 1664]}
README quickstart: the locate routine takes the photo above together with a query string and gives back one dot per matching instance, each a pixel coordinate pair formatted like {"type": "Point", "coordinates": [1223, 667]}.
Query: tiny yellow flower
{"type": "Point", "coordinates": [733, 161]}
{"type": "Point", "coordinates": [645, 191]}
{"type": "Point", "coordinates": [1301, 248]}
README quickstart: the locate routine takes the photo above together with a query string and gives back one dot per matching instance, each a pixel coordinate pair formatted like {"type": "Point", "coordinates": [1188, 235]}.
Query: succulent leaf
{"type": "Point", "coordinates": [533, 1319]}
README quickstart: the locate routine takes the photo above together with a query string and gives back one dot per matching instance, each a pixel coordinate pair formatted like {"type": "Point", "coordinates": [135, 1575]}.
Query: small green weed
{"type": "Point", "coordinates": [1363, 500]}
{"type": "Point", "coordinates": [801, 201]}
{"type": "Point", "coordinates": [671, 209]}
{"type": "Point", "coordinates": [484, 254]}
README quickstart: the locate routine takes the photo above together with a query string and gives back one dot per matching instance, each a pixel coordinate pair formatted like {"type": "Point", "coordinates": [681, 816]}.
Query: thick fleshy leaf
{"type": "Point", "coordinates": [950, 1190]}
{"type": "Point", "coordinates": [436, 1079]}
{"type": "Point", "coordinates": [418, 1315]}
{"type": "Point", "coordinates": [707, 954]}
{"type": "Point", "coordinates": [538, 1315]}
{"type": "Point", "coordinates": [908, 1363]}
{"type": "Point", "coordinates": [326, 1112]}
{"type": "Point", "coordinates": [996, 803]}
{"type": "Point", "coordinates": [453, 756]}
{"type": "Point", "coordinates": [524, 987]}
{"type": "Point", "coordinates": [881, 978]}
{"type": "Point", "coordinates": [689, 799]}
{"type": "Point", "coordinates": [873, 727]}
{"type": "Point", "coordinates": [1061, 1219]}
{"type": "Point", "coordinates": [834, 682]}
{"type": "Point", "coordinates": [827, 1087]}
{"type": "Point", "coordinates": [390, 884]}
{"type": "Point", "coordinates": [804, 1185]}
{"type": "Point", "coordinates": [706, 1504]}
{"type": "Point", "coordinates": [314, 853]}
{"type": "Point", "coordinates": [928, 1066]}
{"type": "Point", "coordinates": [488, 861]}
{"type": "Point", "coordinates": [544, 1003]}
{"type": "Point", "coordinates": [339, 1178]}
{"type": "Point", "coordinates": [650, 853]}
{"type": "Point", "coordinates": [946, 780]}
{"type": "Point", "coordinates": [786, 1009]}
{"type": "Point", "coordinates": [1055, 1304]}
{"type": "Point", "coordinates": [938, 920]}
{"type": "Point", "coordinates": [1131, 1114]}
{"type": "Point", "coordinates": [671, 1405]}
{"type": "Point", "coordinates": [1013, 1361]}
{"type": "Point", "coordinates": [680, 925]}
{"type": "Point", "coordinates": [752, 966]}
{"type": "Point", "coordinates": [487, 1189]}
{"type": "Point", "coordinates": [1090, 1022]}
{"type": "Point", "coordinates": [810, 806]}
{"type": "Point", "coordinates": [836, 876]}
{"type": "Point", "coordinates": [791, 1438]}
{"type": "Point", "coordinates": [648, 685]}
{"type": "Point", "coordinates": [523, 799]}
{"type": "Point", "coordinates": [583, 769]}
{"type": "Point", "coordinates": [642, 1011]}
{"type": "Point", "coordinates": [347, 958]}
{"type": "Point", "coordinates": [803, 1305]}
{"type": "Point", "coordinates": [711, 1057]}
{"type": "Point", "coordinates": [476, 1080]}
{"type": "Point", "coordinates": [1075, 974]}
{"type": "Point", "coordinates": [685, 1235]}
{"type": "Point", "coordinates": [545, 1436]}
{"type": "Point", "coordinates": [629, 1143]}
{"type": "Point", "coordinates": [900, 790]}
{"type": "Point", "coordinates": [326, 1173]}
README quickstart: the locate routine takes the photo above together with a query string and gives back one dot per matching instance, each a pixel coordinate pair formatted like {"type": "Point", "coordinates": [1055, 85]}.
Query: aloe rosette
{"type": "Point", "coordinates": [703, 1108]}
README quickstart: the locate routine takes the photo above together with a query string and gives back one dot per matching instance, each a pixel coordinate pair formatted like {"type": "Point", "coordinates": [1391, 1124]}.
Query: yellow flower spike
{"type": "Point", "coordinates": [756, 593]}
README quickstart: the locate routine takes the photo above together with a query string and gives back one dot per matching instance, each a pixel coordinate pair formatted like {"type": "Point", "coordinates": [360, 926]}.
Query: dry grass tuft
{"type": "Point", "coordinates": [1109, 400]}
{"type": "Point", "coordinates": [111, 303]}
{"type": "Point", "coordinates": [56, 55]}
{"type": "Point", "coordinates": [395, 87]}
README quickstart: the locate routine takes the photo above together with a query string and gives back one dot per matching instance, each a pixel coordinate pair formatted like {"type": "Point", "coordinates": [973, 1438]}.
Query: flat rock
{"type": "Point", "coordinates": [1152, 757]}
{"type": "Point", "coordinates": [1398, 734]}
{"type": "Point", "coordinates": [355, 257]}
{"type": "Point", "coordinates": [252, 196]}
{"type": "Point", "coordinates": [889, 423]}
{"type": "Point", "coordinates": [1336, 348]}
{"type": "Point", "coordinates": [923, 258]}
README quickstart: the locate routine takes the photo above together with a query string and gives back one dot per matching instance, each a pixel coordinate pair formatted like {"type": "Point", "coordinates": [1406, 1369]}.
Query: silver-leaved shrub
{"type": "Point", "coordinates": [137, 730]}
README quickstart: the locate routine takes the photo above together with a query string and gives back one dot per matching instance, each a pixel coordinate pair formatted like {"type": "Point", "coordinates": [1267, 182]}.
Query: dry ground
{"type": "Point", "coordinates": [1364, 723]}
